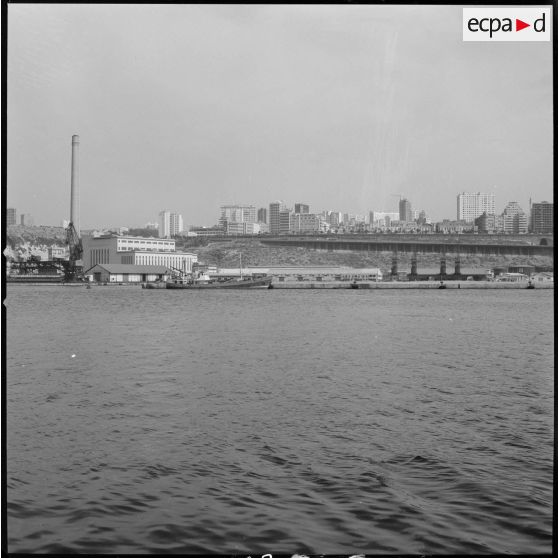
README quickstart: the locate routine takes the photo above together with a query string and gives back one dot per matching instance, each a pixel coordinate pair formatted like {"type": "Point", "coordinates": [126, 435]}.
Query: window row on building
{"type": "Point", "coordinates": [177, 261]}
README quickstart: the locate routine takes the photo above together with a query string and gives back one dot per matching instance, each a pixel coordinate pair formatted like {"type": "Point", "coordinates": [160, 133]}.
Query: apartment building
{"type": "Point", "coordinates": [473, 205]}
{"type": "Point", "coordinates": [170, 224]}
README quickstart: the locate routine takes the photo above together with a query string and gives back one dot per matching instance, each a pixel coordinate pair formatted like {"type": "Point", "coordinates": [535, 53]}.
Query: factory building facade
{"type": "Point", "coordinates": [130, 250]}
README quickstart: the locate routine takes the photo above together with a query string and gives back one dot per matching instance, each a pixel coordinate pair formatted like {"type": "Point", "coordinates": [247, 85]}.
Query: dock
{"type": "Point", "coordinates": [409, 285]}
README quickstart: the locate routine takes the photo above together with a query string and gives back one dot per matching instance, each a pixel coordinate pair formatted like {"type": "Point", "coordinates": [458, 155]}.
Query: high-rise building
{"type": "Point", "coordinates": [515, 220]}
{"type": "Point", "coordinates": [170, 224]}
{"type": "Point", "coordinates": [301, 208]}
{"type": "Point", "coordinates": [262, 215]}
{"type": "Point", "coordinates": [285, 221]}
{"type": "Point", "coordinates": [238, 214]}
{"type": "Point", "coordinates": [471, 205]}
{"type": "Point", "coordinates": [422, 218]}
{"type": "Point", "coordinates": [11, 216]}
{"type": "Point", "coordinates": [334, 218]}
{"type": "Point", "coordinates": [405, 211]}
{"type": "Point", "coordinates": [542, 217]}
{"type": "Point", "coordinates": [274, 209]}
{"type": "Point", "coordinates": [26, 219]}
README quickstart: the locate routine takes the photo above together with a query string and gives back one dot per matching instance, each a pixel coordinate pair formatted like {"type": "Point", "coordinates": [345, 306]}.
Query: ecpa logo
{"type": "Point", "coordinates": [507, 24]}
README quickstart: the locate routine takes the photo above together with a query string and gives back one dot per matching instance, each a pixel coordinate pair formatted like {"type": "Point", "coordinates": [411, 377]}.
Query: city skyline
{"type": "Point", "coordinates": [229, 209]}
{"type": "Point", "coordinates": [348, 105]}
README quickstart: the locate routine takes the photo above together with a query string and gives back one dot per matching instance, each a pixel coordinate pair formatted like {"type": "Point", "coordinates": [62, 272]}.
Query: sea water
{"type": "Point", "coordinates": [237, 422]}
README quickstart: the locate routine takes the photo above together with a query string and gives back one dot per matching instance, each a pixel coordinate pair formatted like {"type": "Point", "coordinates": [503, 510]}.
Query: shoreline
{"type": "Point", "coordinates": [362, 285]}
{"type": "Point", "coordinates": [412, 285]}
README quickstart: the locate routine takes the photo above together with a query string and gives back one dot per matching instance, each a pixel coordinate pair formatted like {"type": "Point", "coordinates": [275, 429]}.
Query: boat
{"type": "Point", "coordinates": [154, 285]}
{"type": "Point", "coordinates": [194, 283]}
{"type": "Point", "coordinates": [530, 285]}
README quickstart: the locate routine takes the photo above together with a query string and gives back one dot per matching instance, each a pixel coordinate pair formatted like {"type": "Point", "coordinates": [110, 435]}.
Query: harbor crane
{"type": "Point", "coordinates": [73, 238]}
{"type": "Point", "coordinates": [75, 247]}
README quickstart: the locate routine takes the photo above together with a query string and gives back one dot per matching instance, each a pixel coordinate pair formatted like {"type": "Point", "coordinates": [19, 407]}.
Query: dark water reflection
{"type": "Point", "coordinates": [305, 421]}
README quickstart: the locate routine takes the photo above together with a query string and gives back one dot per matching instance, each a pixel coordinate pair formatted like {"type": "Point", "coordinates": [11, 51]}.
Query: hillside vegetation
{"type": "Point", "coordinates": [23, 241]}
{"type": "Point", "coordinates": [254, 253]}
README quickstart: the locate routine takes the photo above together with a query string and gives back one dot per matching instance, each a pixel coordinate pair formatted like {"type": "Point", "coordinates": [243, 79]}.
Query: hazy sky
{"type": "Point", "coordinates": [188, 107]}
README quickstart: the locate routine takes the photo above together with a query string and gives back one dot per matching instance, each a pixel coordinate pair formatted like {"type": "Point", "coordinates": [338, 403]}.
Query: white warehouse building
{"type": "Point", "coordinates": [133, 250]}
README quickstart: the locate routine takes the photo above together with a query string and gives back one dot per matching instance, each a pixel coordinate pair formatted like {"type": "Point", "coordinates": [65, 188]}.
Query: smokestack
{"type": "Point", "coordinates": [74, 209]}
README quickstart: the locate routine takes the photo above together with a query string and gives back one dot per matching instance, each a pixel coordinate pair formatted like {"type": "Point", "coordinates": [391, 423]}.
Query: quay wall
{"type": "Point", "coordinates": [411, 285]}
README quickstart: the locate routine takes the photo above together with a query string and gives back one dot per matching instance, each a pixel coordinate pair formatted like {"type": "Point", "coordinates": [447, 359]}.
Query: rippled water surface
{"type": "Point", "coordinates": [279, 421]}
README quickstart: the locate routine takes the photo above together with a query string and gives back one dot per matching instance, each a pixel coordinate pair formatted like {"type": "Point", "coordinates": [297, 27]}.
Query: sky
{"type": "Point", "coordinates": [343, 107]}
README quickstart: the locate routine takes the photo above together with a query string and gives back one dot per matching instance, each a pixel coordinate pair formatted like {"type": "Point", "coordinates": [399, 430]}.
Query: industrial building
{"type": "Point", "coordinates": [135, 251]}
{"type": "Point", "coordinates": [317, 273]}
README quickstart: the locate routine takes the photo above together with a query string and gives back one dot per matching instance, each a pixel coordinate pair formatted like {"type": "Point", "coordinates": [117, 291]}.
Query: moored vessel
{"type": "Point", "coordinates": [206, 283]}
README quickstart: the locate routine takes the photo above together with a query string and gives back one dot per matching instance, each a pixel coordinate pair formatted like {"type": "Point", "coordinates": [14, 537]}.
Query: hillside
{"type": "Point", "coordinates": [227, 254]}
{"type": "Point", "coordinates": [24, 241]}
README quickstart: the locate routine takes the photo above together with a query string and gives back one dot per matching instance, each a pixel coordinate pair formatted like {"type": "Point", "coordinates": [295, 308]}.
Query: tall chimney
{"type": "Point", "coordinates": [74, 209]}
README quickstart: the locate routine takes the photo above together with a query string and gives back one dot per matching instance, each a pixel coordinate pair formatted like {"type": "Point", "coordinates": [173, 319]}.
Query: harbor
{"type": "Point", "coordinates": [342, 199]}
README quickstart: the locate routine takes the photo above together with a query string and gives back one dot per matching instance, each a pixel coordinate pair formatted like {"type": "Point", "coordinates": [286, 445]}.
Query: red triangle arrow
{"type": "Point", "coordinates": [519, 25]}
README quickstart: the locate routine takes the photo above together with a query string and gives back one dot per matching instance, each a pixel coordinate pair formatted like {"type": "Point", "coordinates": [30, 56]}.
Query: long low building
{"type": "Point", "coordinates": [306, 273]}
{"type": "Point", "coordinates": [125, 273]}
